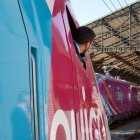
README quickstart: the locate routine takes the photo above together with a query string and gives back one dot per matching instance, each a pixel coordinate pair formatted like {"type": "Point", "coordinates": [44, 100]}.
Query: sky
{"type": "Point", "coordinates": [87, 11]}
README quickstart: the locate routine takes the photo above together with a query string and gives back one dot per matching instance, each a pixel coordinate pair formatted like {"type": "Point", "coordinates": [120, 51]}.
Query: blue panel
{"type": "Point", "coordinates": [15, 121]}
{"type": "Point", "coordinates": [30, 21]}
{"type": "Point", "coordinates": [8, 20]}
{"type": "Point", "coordinates": [15, 115]}
{"type": "Point", "coordinates": [44, 28]}
{"type": "Point", "coordinates": [44, 22]}
{"type": "Point", "coordinates": [38, 20]}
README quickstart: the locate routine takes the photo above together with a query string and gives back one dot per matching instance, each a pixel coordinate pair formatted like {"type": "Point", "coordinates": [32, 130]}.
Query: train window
{"type": "Point", "coordinates": [71, 23]}
{"type": "Point", "coordinates": [74, 32]}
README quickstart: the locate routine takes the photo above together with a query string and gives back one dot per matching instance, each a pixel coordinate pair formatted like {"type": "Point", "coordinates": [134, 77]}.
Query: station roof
{"type": "Point", "coordinates": [117, 43]}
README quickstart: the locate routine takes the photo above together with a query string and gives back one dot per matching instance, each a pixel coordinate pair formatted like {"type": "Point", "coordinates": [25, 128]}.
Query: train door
{"type": "Point", "coordinates": [125, 103]}
{"type": "Point", "coordinates": [119, 97]}
{"type": "Point", "coordinates": [88, 111]}
{"type": "Point", "coordinates": [126, 98]}
{"type": "Point", "coordinates": [138, 98]}
{"type": "Point", "coordinates": [112, 96]}
{"type": "Point", "coordinates": [134, 103]}
{"type": "Point", "coordinates": [16, 103]}
{"type": "Point", "coordinates": [115, 100]}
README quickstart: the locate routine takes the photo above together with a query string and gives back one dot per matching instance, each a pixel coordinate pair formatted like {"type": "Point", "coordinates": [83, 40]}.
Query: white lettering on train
{"type": "Point", "coordinates": [60, 118]}
{"type": "Point", "coordinates": [89, 130]}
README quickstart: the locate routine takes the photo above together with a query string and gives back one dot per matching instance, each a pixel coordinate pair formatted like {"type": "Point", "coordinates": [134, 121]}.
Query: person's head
{"type": "Point", "coordinates": [84, 37]}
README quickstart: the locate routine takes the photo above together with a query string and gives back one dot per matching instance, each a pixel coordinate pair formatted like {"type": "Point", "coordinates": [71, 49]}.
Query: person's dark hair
{"type": "Point", "coordinates": [84, 35]}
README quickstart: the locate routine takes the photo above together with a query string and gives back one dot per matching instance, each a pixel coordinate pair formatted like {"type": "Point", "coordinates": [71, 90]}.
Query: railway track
{"type": "Point", "coordinates": [135, 136]}
{"type": "Point", "coordinates": [124, 121]}
{"type": "Point", "coordinates": [128, 129]}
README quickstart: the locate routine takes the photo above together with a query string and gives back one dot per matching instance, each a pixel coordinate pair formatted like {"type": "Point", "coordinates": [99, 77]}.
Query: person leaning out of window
{"type": "Point", "coordinates": [83, 39]}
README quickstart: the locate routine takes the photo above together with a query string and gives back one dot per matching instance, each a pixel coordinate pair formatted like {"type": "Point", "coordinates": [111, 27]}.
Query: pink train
{"type": "Point", "coordinates": [120, 98]}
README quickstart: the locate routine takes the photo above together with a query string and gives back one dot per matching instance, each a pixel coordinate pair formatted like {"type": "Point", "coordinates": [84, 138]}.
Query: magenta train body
{"type": "Point", "coordinates": [120, 98]}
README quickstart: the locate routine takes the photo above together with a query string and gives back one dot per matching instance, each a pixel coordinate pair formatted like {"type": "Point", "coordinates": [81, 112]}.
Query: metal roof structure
{"type": "Point", "coordinates": [117, 43]}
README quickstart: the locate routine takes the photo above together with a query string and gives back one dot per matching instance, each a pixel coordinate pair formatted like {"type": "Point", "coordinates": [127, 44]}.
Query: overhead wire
{"type": "Point", "coordinates": [116, 10]}
{"type": "Point", "coordinates": [110, 8]}
{"type": "Point", "coordinates": [126, 2]}
{"type": "Point", "coordinates": [116, 19]}
{"type": "Point", "coordinates": [113, 5]}
{"type": "Point", "coordinates": [126, 15]}
{"type": "Point", "coordinates": [120, 17]}
{"type": "Point", "coordinates": [129, 33]}
{"type": "Point", "coordinates": [120, 3]}
{"type": "Point", "coordinates": [107, 6]}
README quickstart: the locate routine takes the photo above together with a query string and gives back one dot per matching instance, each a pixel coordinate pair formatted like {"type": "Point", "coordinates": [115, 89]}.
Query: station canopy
{"type": "Point", "coordinates": [117, 43]}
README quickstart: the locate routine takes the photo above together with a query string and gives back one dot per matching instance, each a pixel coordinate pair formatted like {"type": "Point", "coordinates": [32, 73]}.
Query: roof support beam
{"type": "Point", "coordinates": [116, 33]}
{"type": "Point", "coordinates": [124, 61]}
{"type": "Point", "coordinates": [137, 20]}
